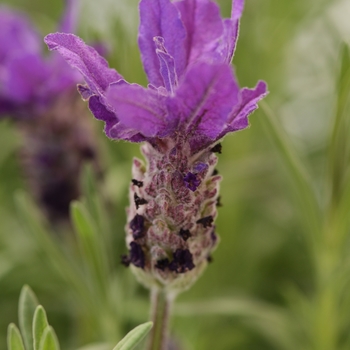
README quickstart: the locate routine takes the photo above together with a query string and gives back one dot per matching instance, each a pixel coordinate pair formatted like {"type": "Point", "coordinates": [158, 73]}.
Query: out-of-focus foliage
{"type": "Point", "coordinates": [36, 334]}
{"type": "Point", "coordinates": [280, 277]}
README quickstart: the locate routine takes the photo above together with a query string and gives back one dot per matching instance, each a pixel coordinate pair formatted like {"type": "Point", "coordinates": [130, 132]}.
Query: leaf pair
{"type": "Point", "coordinates": [37, 334]}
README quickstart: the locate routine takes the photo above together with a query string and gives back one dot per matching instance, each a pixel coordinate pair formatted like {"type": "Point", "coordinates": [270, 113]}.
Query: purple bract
{"type": "Point", "coordinates": [29, 81]}
{"type": "Point", "coordinates": [192, 96]}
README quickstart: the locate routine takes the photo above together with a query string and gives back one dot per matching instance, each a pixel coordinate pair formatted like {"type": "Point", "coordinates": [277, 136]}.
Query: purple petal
{"type": "Point", "coordinates": [17, 35]}
{"type": "Point", "coordinates": [204, 100]}
{"type": "Point", "coordinates": [203, 25]}
{"type": "Point", "coordinates": [249, 103]}
{"type": "Point", "coordinates": [232, 29]}
{"type": "Point", "coordinates": [70, 17]}
{"type": "Point", "coordinates": [100, 112]}
{"type": "Point", "coordinates": [167, 66]}
{"type": "Point", "coordinates": [237, 9]}
{"type": "Point", "coordinates": [161, 18]}
{"type": "Point", "coordinates": [138, 108]}
{"type": "Point", "coordinates": [113, 128]}
{"type": "Point", "coordinates": [25, 78]}
{"type": "Point", "coordinates": [85, 58]}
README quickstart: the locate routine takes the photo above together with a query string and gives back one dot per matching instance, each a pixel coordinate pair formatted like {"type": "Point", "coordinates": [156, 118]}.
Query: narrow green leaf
{"type": "Point", "coordinates": [89, 242]}
{"type": "Point", "coordinates": [26, 308]}
{"type": "Point", "coordinates": [308, 206]}
{"type": "Point", "coordinates": [49, 340]}
{"type": "Point", "coordinates": [39, 325]}
{"type": "Point", "coordinates": [339, 145]}
{"type": "Point", "coordinates": [134, 337]}
{"type": "Point", "coordinates": [14, 338]}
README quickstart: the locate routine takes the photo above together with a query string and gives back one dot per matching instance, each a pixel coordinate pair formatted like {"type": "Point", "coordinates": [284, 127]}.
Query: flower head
{"type": "Point", "coordinates": [186, 49]}
{"type": "Point", "coordinates": [192, 100]}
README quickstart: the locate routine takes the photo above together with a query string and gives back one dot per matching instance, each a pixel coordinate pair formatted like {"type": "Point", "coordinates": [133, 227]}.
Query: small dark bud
{"type": "Point", "coordinates": [162, 264]}
{"type": "Point", "coordinates": [185, 234]}
{"type": "Point", "coordinates": [137, 256]}
{"type": "Point", "coordinates": [137, 225]}
{"type": "Point", "coordinates": [217, 148]}
{"type": "Point", "coordinates": [182, 261]}
{"type": "Point", "coordinates": [218, 202]}
{"type": "Point", "coordinates": [125, 260]}
{"type": "Point", "coordinates": [139, 201]}
{"type": "Point", "coordinates": [137, 183]}
{"type": "Point", "coordinates": [215, 172]}
{"type": "Point", "coordinates": [206, 221]}
{"type": "Point", "coordinates": [209, 259]}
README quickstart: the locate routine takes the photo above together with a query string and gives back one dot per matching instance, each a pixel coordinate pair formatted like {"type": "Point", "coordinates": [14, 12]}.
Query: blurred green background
{"type": "Point", "coordinates": [276, 281]}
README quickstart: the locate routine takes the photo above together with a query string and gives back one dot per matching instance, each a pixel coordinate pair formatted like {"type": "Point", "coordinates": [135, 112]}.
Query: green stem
{"type": "Point", "coordinates": [160, 313]}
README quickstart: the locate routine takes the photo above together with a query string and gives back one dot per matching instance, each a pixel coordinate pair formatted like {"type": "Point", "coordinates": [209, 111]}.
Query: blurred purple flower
{"type": "Point", "coordinates": [39, 93]}
{"type": "Point", "coordinates": [186, 49]}
{"type": "Point", "coordinates": [30, 81]}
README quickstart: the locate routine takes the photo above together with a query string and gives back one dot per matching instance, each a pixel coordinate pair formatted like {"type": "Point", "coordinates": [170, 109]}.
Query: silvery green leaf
{"type": "Point", "coordinates": [134, 337]}
{"type": "Point", "coordinates": [27, 305]}
{"type": "Point", "coordinates": [39, 326]}
{"type": "Point", "coordinates": [49, 340]}
{"type": "Point", "coordinates": [14, 338]}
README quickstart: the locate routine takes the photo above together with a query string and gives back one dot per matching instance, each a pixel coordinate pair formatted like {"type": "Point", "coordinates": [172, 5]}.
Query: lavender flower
{"type": "Point", "coordinates": [38, 93]}
{"type": "Point", "coordinates": [192, 101]}
{"type": "Point", "coordinates": [29, 81]}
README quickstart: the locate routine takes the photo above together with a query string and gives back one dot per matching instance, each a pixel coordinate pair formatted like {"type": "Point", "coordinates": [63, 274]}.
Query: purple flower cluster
{"type": "Point", "coordinates": [191, 102]}
{"type": "Point", "coordinates": [30, 81]}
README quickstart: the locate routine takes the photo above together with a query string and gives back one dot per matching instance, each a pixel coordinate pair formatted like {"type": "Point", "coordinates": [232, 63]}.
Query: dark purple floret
{"type": "Point", "coordinates": [137, 256]}
{"type": "Point", "coordinates": [217, 148]}
{"type": "Point", "coordinates": [215, 172]}
{"type": "Point", "coordinates": [218, 202]}
{"type": "Point", "coordinates": [209, 259]}
{"type": "Point", "coordinates": [125, 260]}
{"type": "Point", "coordinates": [206, 221]}
{"type": "Point", "coordinates": [182, 261]}
{"type": "Point", "coordinates": [137, 226]}
{"type": "Point", "coordinates": [191, 181]}
{"type": "Point", "coordinates": [185, 234]}
{"type": "Point", "coordinates": [139, 201]}
{"type": "Point", "coordinates": [162, 264]}
{"type": "Point", "coordinates": [137, 183]}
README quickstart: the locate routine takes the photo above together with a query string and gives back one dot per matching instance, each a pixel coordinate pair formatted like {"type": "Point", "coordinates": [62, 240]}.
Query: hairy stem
{"type": "Point", "coordinates": [160, 312]}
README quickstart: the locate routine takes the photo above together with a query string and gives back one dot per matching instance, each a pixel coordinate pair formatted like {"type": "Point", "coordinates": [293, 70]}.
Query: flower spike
{"type": "Point", "coordinates": [192, 101]}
